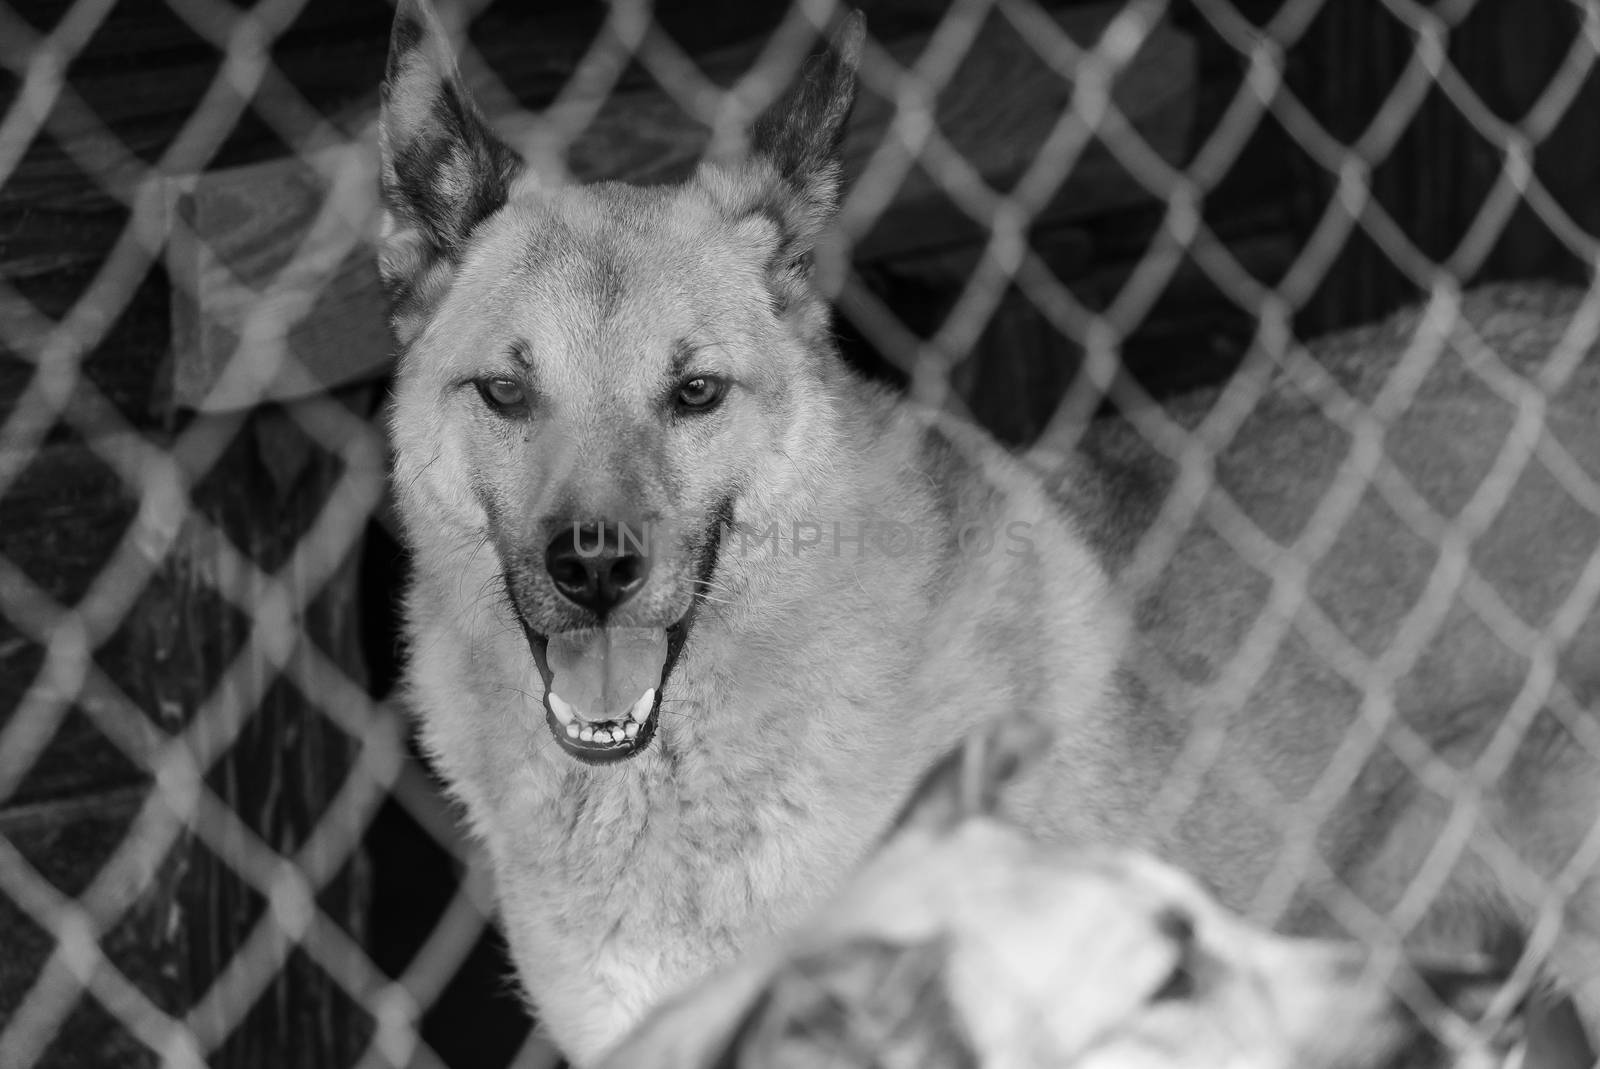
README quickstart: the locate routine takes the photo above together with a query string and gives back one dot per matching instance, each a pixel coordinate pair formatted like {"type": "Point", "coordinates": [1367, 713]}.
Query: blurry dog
{"type": "Point", "coordinates": [964, 943]}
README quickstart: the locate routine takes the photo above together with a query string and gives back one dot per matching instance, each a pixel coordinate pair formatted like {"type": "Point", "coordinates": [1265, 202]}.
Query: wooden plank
{"type": "Point", "coordinates": [60, 523]}
{"type": "Point", "coordinates": [333, 53]}
{"type": "Point", "coordinates": [67, 843]}
{"type": "Point", "coordinates": [1437, 177]}
{"type": "Point", "coordinates": [224, 257]}
{"type": "Point", "coordinates": [1019, 369]}
{"type": "Point", "coordinates": [128, 367]}
{"type": "Point", "coordinates": [289, 760]}
{"type": "Point", "coordinates": [998, 112]}
{"type": "Point", "coordinates": [251, 223]}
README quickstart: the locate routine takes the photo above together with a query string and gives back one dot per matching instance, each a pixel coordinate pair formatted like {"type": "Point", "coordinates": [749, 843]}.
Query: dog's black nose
{"type": "Point", "coordinates": [1467, 990]}
{"type": "Point", "coordinates": [598, 565]}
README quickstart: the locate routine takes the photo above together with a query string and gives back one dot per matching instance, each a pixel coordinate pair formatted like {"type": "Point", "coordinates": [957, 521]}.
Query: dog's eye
{"type": "Point", "coordinates": [505, 396]}
{"type": "Point", "coordinates": [700, 393]}
{"type": "Point", "coordinates": [1179, 984]}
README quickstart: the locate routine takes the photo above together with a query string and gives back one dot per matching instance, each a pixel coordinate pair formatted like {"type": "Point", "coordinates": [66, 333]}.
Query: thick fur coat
{"type": "Point", "coordinates": [836, 586]}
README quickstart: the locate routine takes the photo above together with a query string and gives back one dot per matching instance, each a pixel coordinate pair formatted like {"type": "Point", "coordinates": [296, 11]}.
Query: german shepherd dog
{"type": "Point", "coordinates": [962, 942]}
{"type": "Point", "coordinates": [695, 606]}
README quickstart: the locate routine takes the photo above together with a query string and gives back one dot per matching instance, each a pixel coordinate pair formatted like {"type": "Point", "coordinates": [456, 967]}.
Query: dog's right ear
{"type": "Point", "coordinates": [443, 170]}
{"type": "Point", "coordinates": [967, 781]}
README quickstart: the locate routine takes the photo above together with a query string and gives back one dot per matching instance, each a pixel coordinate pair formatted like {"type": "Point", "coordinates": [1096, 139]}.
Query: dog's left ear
{"type": "Point", "coordinates": [794, 174]}
{"type": "Point", "coordinates": [443, 170]}
{"type": "Point", "coordinates": [967, 781]}
{"type": "Point", "coordinates": [802, 133]}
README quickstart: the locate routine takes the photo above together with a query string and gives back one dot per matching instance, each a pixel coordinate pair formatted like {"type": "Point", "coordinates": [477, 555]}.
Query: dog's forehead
{"type": "Point", "coordinates": [603, 253]}
{"type": "Point", "coordinates": [606, 288]}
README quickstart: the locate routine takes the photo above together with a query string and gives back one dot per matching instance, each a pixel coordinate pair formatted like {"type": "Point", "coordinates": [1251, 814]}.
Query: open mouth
{"type": "Point", "coordinates": [602, 686]}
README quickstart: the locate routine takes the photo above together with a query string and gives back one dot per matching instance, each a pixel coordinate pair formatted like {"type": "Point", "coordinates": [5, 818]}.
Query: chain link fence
{"type": "Point", "coordinates": [215, 839]}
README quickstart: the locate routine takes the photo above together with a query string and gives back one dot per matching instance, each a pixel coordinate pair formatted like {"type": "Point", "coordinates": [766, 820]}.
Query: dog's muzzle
{"type": "Point", "coordinates": [603, 685]}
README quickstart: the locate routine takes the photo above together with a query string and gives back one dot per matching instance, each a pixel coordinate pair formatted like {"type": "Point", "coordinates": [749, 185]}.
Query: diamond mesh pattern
{"type": "Point", "coordinates": [60, 641]}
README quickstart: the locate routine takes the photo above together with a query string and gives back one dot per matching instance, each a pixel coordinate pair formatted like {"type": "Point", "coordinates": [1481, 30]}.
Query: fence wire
{"type": "Point", "coordinates": [73, 970]}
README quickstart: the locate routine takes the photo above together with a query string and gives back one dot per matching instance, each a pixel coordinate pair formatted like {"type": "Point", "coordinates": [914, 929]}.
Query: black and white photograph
{"type": "Point", "coordinates": [800, 534]}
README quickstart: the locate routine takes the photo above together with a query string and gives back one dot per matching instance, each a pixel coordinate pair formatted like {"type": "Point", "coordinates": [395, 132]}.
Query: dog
{"type": "Point", "coordinates": [962, 942]}
{"type": "Point", "coordinates": [694, 606]}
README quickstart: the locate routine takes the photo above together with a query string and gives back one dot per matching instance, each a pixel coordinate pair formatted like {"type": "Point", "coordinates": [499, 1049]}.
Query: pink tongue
{"type": "Point", "coordinates": [602, 672]}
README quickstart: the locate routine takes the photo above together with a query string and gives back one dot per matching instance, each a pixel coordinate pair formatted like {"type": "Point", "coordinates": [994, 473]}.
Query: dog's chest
{"type": "Point", "coordinates": [633, 887]}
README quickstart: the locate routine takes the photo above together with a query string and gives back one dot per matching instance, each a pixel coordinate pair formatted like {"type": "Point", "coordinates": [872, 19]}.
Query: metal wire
{"type": "Point", "coordinates": [161, 471]}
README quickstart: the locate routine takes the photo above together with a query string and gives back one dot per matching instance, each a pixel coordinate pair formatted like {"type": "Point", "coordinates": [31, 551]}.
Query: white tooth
{"type": "Point", "coordinates": [632, 728]}
{"type": "Point", "coordinates": [602, 734]}
{"type": "Point", "coordinates": [572, 731]}
{"type": "Point", "coordinates": [641, 708]}
{"type": "Point", "coordinates": [563, 711]}
{"type": "Point", "coordinates": [587, 734]}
